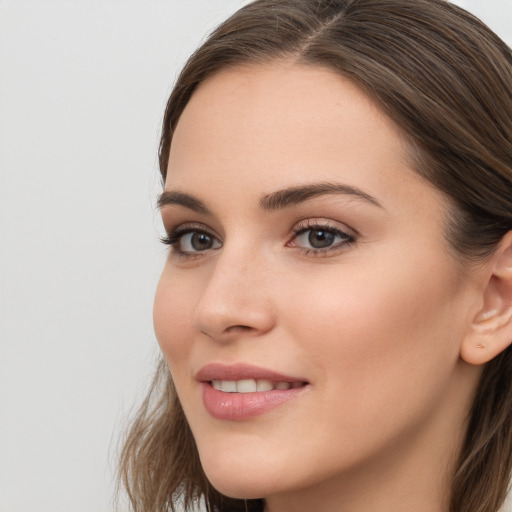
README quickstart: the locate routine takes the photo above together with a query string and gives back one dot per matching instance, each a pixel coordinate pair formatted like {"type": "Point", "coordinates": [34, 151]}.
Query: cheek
{"type": "Point", "coordinates": [383, 304]}
{"type": "Point", "coordinates": [378, 338]}
{"type": "Point", "coordinates": [171, 318]}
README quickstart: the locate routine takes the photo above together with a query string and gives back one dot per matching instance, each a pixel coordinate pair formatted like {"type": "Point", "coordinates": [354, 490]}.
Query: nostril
{"type": "Point", "coordinates": [238, 328]}
{"type": "Point", "coordinates": [230, 329]}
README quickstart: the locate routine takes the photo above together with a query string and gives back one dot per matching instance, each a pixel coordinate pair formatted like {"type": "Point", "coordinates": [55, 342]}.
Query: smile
{"type": "Point", "coordinates": [241, 392]}
{"type": "Point", "coordinates": [253, 385]}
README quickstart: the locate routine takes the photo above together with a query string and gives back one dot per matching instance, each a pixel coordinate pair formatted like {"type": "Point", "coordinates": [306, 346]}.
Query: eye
{"type": "Point", "coordinates": [320, 238]}
{"type": "Point", "coordinates": [190, 241]}
{"type": "Point", "coordinates": [317, 238]}
{"type": "Point", "coordinates": [197, 241]}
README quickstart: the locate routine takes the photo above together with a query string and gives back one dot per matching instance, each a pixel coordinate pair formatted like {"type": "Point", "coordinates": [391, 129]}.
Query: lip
{"type": "Point", "coordinates": [219, 371]}
{"type": "Point", "coordinates": [243, 406]}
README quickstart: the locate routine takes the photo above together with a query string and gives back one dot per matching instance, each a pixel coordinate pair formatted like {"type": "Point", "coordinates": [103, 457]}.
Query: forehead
{"type": "Point", "coordinates": [263, 127]}
{"type": "Point", "coordinates": [260, 100]}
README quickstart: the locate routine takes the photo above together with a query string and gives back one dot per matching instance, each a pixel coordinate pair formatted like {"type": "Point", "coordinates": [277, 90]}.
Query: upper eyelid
{"type": "Point", "coordinates": [182, 228]}
{"type": "Point", "coordinates": [322, 222]}
{"type": "Point", "coordinates": [338, 232]}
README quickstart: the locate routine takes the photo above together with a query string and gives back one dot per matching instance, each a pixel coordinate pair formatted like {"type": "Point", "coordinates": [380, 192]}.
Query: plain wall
{"type": "Point", "coordinates": [82, 90]}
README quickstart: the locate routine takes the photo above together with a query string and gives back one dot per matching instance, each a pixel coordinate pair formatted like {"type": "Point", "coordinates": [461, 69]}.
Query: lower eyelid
{"type": "Point", "coordinates": [338, 248]}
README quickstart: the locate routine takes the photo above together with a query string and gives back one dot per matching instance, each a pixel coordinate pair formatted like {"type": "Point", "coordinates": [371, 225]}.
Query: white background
{"type": "Point", "coordinates": [83, 85]}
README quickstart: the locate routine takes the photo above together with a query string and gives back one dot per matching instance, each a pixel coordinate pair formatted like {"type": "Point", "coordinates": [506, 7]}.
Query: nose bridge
{"type": "Point", "coordinates": [235, 297]}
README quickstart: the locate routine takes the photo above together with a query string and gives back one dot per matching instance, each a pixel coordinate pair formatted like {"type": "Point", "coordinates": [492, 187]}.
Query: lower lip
{"type": "Point", "coordinates": [243, 406]}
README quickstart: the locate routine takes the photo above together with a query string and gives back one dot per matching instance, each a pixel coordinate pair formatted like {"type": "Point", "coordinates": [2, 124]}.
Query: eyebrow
{"type": "Point", "coordinates": [180, 198]}
{"type": "Point", "coordinates": [274, 201]}
{"type": "Point", "coordinates": [296, 195]}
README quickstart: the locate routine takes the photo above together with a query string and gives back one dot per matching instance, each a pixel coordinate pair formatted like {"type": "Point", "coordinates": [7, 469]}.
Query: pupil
{"type": "Point", "coordinates": [201, 241]}
{"type": "Point", "coordinates": [320, 239]}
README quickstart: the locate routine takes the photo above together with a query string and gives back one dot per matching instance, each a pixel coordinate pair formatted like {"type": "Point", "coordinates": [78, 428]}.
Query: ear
{"type": "Point", "coordinates": [491, 328]}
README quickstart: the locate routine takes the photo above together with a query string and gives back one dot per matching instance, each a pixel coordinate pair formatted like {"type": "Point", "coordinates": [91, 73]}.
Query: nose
{"type": "Point", "coordinates": [235, 300]}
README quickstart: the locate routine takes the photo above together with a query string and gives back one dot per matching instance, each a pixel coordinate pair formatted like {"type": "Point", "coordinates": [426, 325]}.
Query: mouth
{"type": "Point", "coordinates": [244, 378]}
{"type": "Point", "coordinates": [241, 392]}
{"type": "Point", "coordinates": [254, 385]}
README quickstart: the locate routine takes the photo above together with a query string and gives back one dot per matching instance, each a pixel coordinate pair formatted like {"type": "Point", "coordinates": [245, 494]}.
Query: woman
{"type": "Point", "coordinates": [335, 311]}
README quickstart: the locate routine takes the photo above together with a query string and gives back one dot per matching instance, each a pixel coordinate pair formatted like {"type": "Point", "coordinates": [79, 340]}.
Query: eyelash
{"type": "Point", "coordinates": [326, 227]}
{"type": "Point", "coordinates": [174, 238]}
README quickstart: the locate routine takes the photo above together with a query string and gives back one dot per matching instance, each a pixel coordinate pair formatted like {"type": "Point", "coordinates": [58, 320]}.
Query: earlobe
{"type": "Point", "coordinates": [491, 328]}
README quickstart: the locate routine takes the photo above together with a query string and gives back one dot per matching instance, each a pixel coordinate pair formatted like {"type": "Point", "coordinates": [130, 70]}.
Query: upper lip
{"type": "Point", "coordinates": [219, 371]}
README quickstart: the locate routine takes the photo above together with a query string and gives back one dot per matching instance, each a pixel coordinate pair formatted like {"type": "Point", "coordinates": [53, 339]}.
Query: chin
{"type": "Point", "coordinates": [236, 485]}
{"type": "Point", "coordinates": [241, 479]}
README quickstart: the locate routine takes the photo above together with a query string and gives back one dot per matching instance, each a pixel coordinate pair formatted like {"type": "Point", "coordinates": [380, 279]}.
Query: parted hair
{"type": "Point", "coordinates": [445, 79]}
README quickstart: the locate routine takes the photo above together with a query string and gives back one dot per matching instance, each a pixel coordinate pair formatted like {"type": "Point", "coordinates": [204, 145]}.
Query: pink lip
{"type": "Point", "coordinates": [243, 406]}
{"type": "Point", "coordinates": [219, 371]}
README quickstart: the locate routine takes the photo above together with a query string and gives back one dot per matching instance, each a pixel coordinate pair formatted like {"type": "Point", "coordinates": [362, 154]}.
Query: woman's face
{"type": "Point", "coordinates": [310, 310]}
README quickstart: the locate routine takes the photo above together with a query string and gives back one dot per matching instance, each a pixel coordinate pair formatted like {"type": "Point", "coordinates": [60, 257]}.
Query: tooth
{"type": "Point", "coordinates": [246, 386]}
{"type": "Point", "coordinates": [228, 386]}
{"type": "Point", "coordinates": [216, 384]}
{"type": "Point", "coordinates": [283, 385]}
{"type": "Point", "coordinates": [264, 385]}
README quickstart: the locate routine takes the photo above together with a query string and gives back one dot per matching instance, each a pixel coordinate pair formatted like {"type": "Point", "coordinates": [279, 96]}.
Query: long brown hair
{"type": "Point", "coordinates": [446, 81]}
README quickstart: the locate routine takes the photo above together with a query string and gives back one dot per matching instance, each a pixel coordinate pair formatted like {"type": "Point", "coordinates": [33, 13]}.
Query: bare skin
{"type": "Point", "coordinates": [352, 289]}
